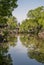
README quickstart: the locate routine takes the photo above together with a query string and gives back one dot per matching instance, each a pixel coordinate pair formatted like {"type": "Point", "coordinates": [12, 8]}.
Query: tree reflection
{"type": "Point", "coordinates": [25, 39]}
{"type": "Point", "coordinates": [35, 47]}
{"type": "Point", "coordinates": [5, 58]}
{"type": "Point", "coordinates": [12, 41]}
{"type": "Point", "coordinates": [9, 39]}
{"type": "Point", "coordinates": [38, 56]}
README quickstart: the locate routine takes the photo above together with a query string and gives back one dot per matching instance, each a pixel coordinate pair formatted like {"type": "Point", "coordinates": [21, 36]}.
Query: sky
{"type": "Point", "coordinates": [24, 6]}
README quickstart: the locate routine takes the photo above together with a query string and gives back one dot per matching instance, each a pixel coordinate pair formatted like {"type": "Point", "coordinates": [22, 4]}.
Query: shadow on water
{"type": "Point", "coordinates": [22, 50]}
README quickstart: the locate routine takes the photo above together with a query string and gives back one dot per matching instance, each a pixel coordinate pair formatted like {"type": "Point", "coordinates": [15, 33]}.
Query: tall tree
{"type": "Point", "coordinates": [7, 6]}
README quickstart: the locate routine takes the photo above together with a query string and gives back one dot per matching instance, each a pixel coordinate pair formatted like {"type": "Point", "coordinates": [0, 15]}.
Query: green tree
{"type": "Point", "coordinates": [12, 22]}
{"type": "Point", "coordinates": [37, 14]}
{"type": "Point", "coordinates": [7, 6]}
{"type": "Point", "coordinates": [34, 21]}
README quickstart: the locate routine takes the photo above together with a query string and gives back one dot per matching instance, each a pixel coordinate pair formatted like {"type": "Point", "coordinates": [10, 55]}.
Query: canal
{"type": "Point", "coordinates": [22, 50]}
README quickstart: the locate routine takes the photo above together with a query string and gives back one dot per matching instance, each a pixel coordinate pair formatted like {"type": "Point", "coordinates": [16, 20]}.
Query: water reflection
{"type": "Point", "coordinates": [12, 40]}
{"type": "Point", "coordinates": [5, 57]}
{"type": "Point", "coordinates": [38, 56]}
{"type": "Point", "coordinates": [35, 47]}
{"type": "Point", "coordinates": [22, 50]}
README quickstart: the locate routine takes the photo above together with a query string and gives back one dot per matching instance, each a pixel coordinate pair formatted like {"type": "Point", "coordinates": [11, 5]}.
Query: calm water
{"type": "Point", "coordinates": [22, 50]}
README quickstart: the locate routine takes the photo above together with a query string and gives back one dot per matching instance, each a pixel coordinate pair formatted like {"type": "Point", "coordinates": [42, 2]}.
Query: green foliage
{"type": "Point", "coordinates": [34, 22]}
{"type": "Point", "coordinates": [41, 22]}
{"type": "Point", "coordinates": [3, 22]}
{"type": "Point", "coordinates": [12, 22]}
{"type": "Point", "coordinates": [7, 6]}
{"type": "Point", "coordinates": [36, 13]}
{"type": "Point", "coordinates": [28, 25]}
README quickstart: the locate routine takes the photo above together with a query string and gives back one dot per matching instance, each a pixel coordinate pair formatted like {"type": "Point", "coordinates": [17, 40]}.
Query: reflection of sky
{"type": "Point", "coordinates": [19, 55]}
{"type": "Point", "coordinates": [24, 6]}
